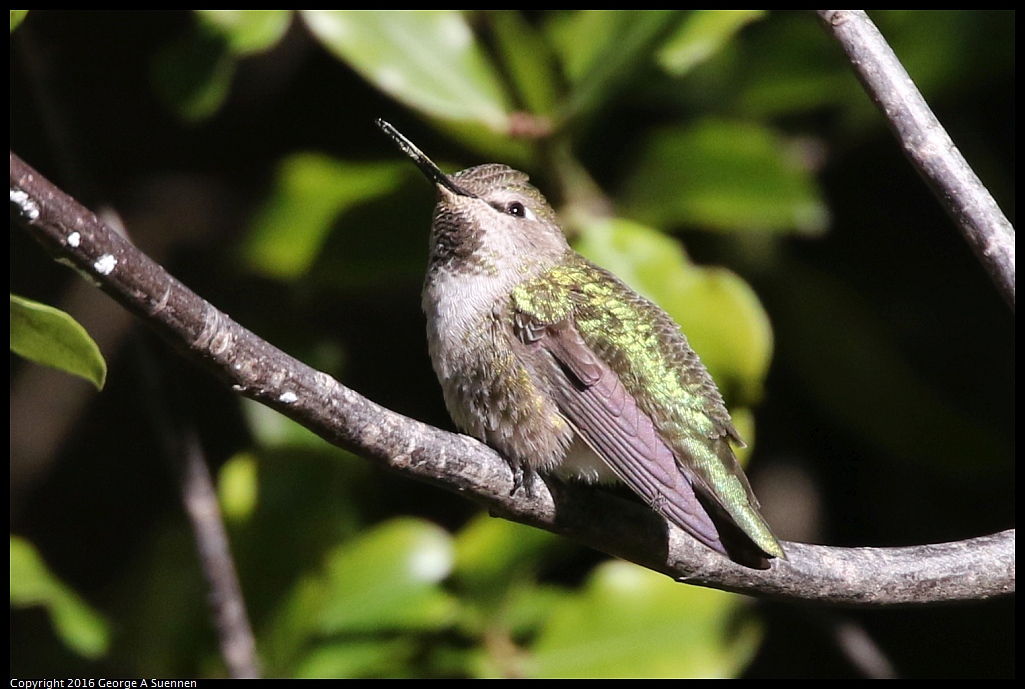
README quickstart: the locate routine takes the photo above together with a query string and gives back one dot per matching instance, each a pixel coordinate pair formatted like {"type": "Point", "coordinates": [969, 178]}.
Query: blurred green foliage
{"type": "Point", "coordinates": [722, 125]}
{"type": "Point", "coordinates": [80, 627]}
{"type": "Point", "coordinates": [16, 17]}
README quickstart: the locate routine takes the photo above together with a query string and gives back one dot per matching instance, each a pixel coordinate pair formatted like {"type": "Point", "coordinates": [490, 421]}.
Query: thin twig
{"type": "Point", "coordinates": [238, 645]}
{"type": "Point", "coordinates": [973, 569]}
{"type": "Point", "coordinates": [186, 458]}
{"type": "Point", "coordinates": [927, 144]}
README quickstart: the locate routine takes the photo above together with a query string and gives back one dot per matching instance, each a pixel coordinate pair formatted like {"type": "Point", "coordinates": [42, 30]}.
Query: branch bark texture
{"type": "Point", "coordinates": [973, 569]}
{"type": "Point", "coordinates": [927, 144]}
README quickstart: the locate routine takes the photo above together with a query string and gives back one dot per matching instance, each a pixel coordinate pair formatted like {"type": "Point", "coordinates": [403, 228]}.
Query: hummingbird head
{"type": "Point", "coordinates": [488, 219]}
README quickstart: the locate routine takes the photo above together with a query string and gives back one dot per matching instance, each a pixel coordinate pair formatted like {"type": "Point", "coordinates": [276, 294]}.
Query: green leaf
{"type": "Point", "coordinates": [80, 627]}
{"type": "Point", "coordinates": [490, 552]}
{"type": "Point", "coordinates": [273, 430]}
{"type": "Point", "coordinates": [17, 16]}
{"type": "Point", "coordinates": [247, 31]}
{"type": "Point", "coordinates": [701, 35]}
{"type": "Point", "coordinates": [603, 49]}
{"type": "Point", "coordinates": [390, 578]}
{"type": "Point", "coordinates": [310, 192]}
{"type": "Point", "coordinates": [718, 312]}
{"type": "Point", "coordinates": [631, 622]}
{"type": "Point", "coordinates": [528, 59]}
{"type": "Point", "coordinates": [791, 66]}
{"type": "Point", "coordinates": [729, 176]}
{"type": "Point", "coordinates": [517, 616]}
{"type": "Point", "coordinates": [51, 337]}
{"type": "Point", "coordinates": [356, 658]}
{"type": "Point", "coordinates": [192, 75]}
{"type": "Point", "coordinates": [586, 40]}
{"type": "Point", "coordinates": [238, 487]}
{"type": "Point", "coordinates": [427, 59]}
{"type": "Point", "coordinates": [384, 584]}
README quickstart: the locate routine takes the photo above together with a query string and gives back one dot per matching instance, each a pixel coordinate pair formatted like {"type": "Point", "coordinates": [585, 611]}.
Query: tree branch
{"type": "Point", "coordinates": [927, 144]}
{"type": "Point", "coordinates": [973, 569]}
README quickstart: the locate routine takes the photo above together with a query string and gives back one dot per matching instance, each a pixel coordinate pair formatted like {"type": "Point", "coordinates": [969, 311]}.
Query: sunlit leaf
{"type": "Point", "coordinates": [497, 565]}
{"type": "Point", "coordinates": [529, 60]}
{"type": "Point", "coordinates": [602, 49]}
{"type": "Point", "coordinates": [238, 487]}
{"type": "Point", "coordinates": [578, 37]}
{"type": "Point", "coordinates": [491, 552]}
{"type": "Point", "coordinates": [701, 35]}
{"type": "Point", "coordinates": [631, 622]}
{"type": "Point", "coordinates": [743, 419]}
{"type": "Point", "coordinates": [718, 312]}
{"type": "Point", "coordinates": [729, 176]}
{"type": "Point", "coordinates": [387, 581]}
{"type": "Point", "coordinates": [428, 59]}
{"type": "Point", "coordinates": [356, 658]}
{"type": "Point", "coordinates": [311, 191]}
{"type": "Point", "coordinates": [80, 627]}
{"type": "Point", "coordinates": [192, 75]}
{"type": "Point", "coordinates": [247, 31]}
{"type": "Point", "coordinates": [390, 578]}
{"type": "Point", "coordinates": [51, 337]}
{"type": "Point", "coordinates": [17, 16]}
{"type": "Point", "coordinates": [272, 429]}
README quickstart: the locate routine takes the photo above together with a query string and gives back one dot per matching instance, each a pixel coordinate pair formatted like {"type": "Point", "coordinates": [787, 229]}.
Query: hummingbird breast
{"type": "Point", "coordinates": [489, 378]}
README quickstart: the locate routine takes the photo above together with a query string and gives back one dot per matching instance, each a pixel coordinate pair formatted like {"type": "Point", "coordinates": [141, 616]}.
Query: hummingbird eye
{"type": "Point", "coordinates": [518, 210]}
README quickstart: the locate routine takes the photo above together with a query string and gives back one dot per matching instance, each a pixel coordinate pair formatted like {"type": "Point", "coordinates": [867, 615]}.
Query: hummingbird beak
{"type": "Point", "coordinates": [425, 164]}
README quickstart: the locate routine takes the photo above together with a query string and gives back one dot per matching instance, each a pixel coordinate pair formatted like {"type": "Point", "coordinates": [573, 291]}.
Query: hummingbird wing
{"type": "Point", "coordinates": [608, 419]}
{"type": "Point", "coordinates": [623, 375]}
{"type": "Point", "coordinates": [606, 416]}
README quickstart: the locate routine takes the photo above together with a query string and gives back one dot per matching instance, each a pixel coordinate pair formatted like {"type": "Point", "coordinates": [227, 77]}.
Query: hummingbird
{"type": "Point", "coordinates": [566, 371]}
